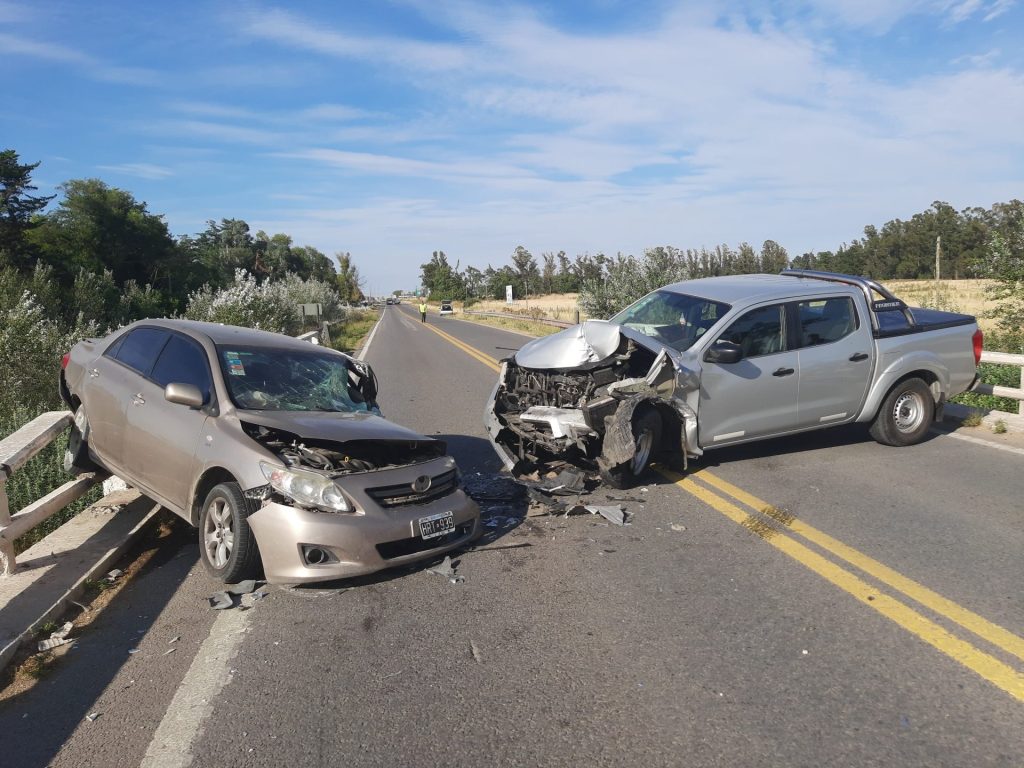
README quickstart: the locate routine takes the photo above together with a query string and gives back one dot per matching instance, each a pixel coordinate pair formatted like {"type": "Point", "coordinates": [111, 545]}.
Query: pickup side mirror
{"type": "Point", "coordinates": [724, 352]}
{"type": "Point", "coordinates": [184, 394]}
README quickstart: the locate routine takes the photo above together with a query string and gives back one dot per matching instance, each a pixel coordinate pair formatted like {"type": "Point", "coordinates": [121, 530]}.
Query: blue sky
{"type": "Point", "coordinates": [391, 129]}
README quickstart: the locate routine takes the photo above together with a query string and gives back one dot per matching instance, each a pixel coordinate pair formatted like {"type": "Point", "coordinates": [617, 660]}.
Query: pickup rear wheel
{"type": "Point", "coordinates": [646, 439]}
{"type": "Point", "coordinates": [905, 415]}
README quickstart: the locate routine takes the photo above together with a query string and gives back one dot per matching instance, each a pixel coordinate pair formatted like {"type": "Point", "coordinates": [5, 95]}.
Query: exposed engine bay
{"type": "Point", "coordinates": [336, 459]}
{"type": "Point", "coordinates": [583, 414]}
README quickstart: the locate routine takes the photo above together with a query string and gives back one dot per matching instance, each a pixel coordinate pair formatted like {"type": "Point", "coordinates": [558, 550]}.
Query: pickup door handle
{"type": "Point", "coordinates": [858, 357]}
{"type": "Point", "coordinates": [783, 372]}
{"type": "Point", "coordinates": [138, 399]}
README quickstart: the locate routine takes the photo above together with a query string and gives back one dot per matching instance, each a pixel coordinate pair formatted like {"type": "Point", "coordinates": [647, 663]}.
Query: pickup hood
{"type": "Point", "coordinates": [582, 346]}
{"type": "Point", "coordinates": [333, 427]}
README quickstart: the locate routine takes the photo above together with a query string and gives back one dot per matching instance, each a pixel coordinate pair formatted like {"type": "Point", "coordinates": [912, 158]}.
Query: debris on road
{"type": "Point", "coordinates": [169, 651]}
{"type": "Point", "coordinates": [616, 515]}
{"type": "Point", "coordinates": [174, 639]}
{"type": "Point", "coordinates": [568, 482]}
{"type": "Point", "coordinates": [677, 527]}
{"type": "Point", "coordinates": [113, 576]}
{"type": "Point", "coordinates": [220, 601]}
{"type": "Point", "coordinates": [91, 717]}
{"type": "Point", "coordinates": [242, 587]}
{"type": "Point", "coordinates": [57, 638]}
{"type": "Point", "coordinates": [476, 652]}
{"type": "Point", "coordinates": [447, 569]}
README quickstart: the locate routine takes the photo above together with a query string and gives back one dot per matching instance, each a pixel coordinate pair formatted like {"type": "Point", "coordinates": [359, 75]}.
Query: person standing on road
{"type": "Point", "coordinates": [423, 310]}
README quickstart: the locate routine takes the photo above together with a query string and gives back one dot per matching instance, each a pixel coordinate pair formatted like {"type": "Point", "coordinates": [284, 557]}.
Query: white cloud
{"type": "Point", "coordinates": [139, 170]}
{"type": "Point", "coordinates": [12, 44]}
{"type": "Point", "coordinates": [289, 29]}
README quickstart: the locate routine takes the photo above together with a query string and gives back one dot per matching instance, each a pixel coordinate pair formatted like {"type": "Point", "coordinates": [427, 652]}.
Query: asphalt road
{"type": "Point", "coordinates": [820, 600]}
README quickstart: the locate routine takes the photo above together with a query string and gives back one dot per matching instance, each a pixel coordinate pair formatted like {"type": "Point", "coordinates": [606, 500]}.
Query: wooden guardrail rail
{"type": "Point", "coordinates": [15, 451]}
{"type": "Point", "coordinates": [1004, 358]}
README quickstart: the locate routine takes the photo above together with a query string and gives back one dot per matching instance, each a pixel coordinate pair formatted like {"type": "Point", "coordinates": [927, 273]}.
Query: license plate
{"type": "Point", "coordinates": [436, 525]}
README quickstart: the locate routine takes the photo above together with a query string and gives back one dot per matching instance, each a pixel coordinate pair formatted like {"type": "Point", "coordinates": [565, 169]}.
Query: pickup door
{"type": "Point", "coordinates": [835, 359]}
{"type": "Point", "coordinates": [806, 364]}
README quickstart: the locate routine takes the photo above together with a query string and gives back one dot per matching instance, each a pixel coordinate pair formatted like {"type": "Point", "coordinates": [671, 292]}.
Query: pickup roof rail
{"type": "Point", "coordinates": [867, 285]}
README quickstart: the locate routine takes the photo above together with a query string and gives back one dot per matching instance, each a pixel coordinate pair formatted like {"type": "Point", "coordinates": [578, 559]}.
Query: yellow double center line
{"type": "Point", "coordinates": [775, 526]}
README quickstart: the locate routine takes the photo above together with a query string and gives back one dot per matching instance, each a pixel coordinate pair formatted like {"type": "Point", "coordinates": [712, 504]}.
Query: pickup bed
{"type": "Point", "coordinates": [707, 363]}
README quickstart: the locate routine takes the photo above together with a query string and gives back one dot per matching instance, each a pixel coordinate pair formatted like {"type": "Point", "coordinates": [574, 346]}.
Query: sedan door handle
{"type": "Point", "coordinates": [94, 372]}
{"type": "Point", "coordinates": [859, 356]}
{"type": "Point", "coordinates": [783, 372]}
{"type": "Point", "coordinates": [138, 399]}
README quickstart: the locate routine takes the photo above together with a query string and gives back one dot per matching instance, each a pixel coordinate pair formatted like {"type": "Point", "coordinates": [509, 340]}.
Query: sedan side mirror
{"type": "Point", "coordinates": [724, 352]}
{"type": "Point", "coordinates": [184, 394]}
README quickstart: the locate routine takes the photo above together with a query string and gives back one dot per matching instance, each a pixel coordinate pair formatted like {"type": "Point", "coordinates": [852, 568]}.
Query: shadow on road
{"type": "Point", "coordinates": [37, 723]}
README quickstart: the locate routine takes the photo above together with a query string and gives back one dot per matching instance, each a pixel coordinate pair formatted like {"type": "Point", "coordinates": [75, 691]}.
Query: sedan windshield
{"type": "Point", "coordinates": [674, 319]}
{"type": "Point", "coordinates": [268, 379]}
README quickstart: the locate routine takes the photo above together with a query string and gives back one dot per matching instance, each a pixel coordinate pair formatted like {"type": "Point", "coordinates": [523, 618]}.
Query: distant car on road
{"type": "Point", "coordinates": [446, 309]}
{"type": "Point", "coordinates": [275, 449]}
{"type": "Point", "coordinates": [390, 300]}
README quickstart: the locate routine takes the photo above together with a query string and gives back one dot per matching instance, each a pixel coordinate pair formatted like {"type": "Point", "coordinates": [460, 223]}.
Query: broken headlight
{"type": "Point", "coordinates": [307, 489]}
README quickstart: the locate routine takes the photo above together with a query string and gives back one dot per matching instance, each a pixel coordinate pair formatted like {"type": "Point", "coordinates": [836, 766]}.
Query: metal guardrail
{"type": "Point", "coordinates": [528, 318]}
{"type": "Point", "coordinates": [15, 451]}
{"type": "Point", "coordinates": [1003, 358]}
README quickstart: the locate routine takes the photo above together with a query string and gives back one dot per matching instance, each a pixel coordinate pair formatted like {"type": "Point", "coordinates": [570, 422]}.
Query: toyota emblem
{"type": "Point", "coordinates": [421, 484]}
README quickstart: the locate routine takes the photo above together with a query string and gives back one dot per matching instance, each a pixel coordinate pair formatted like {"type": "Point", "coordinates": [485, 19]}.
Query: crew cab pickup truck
{"type": "Point", "coordinates": [703, 364]}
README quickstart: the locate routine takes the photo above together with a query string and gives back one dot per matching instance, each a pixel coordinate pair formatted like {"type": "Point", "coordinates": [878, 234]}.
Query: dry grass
{"type": "Point", "coordinates": [555, 306]}
{"type": "Point", "coordinates": [952, 295]}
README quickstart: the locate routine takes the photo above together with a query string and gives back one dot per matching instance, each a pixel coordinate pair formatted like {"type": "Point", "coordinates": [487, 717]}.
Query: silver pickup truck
{"type": "Point", "coordinates": [719, 361]}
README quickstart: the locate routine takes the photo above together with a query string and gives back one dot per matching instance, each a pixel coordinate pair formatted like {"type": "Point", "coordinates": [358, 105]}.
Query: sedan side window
{"type": "Point", "coordinates": [758, 332]}
{"type": "Point", "coordinates": [183, 362]}
{"type": "Point", "coordinates": [823, 321]}
{"type": "Point", "coordinates": [140, 348]}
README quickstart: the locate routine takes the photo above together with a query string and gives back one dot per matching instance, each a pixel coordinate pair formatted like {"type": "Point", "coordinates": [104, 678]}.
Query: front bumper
{"type": "Point", "coordinates": [371, 539]}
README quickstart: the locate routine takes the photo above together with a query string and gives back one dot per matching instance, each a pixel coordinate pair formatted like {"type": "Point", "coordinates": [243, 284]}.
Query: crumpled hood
{"type": "Point", "coordinates": [581, 346]}
{"type": "Point", "coordinates": [335, 427]}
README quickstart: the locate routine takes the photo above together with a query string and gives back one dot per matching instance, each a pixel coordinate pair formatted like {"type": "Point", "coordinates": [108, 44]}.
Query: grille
{"type": "Point", "coordinates": [403, 494]}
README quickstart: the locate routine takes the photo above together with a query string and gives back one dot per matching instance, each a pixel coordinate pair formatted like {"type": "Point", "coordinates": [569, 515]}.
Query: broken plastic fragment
{"type": "Point", "coordinates": [446, 569]}
{"type": "Point", "coordinates": [91, 717]}
{"type": "Point", "coordinates": [242, 587]}
{"type": "Point", "coordinates": [221, 600]}
{"type": "Point", "coordinates": [677, 527]}
{"type": "Point", "coordinates": [174, 639]}
{"type": "Point", "coordinates": [57, 638]}
{"type": "Point", "coordinates": [114, 575]}
{"type": "Point", "coordinates": [616, 515]}
{"type": "Point", "coordinates": [169, 651]}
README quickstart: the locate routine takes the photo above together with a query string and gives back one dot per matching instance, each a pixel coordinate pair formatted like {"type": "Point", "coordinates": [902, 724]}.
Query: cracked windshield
{"type": "Point", "coordinates": [262, 379]}
{"type": "Point", "coordinates": [675, 319]}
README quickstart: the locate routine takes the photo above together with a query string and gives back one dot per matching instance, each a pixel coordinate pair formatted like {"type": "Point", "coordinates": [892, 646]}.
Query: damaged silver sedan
{"type": "Point", "coordinates": [275, 449]}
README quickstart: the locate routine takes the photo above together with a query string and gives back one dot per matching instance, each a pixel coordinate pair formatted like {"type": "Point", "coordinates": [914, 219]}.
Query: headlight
{"type": "Point", "coordinates": [308, 489]}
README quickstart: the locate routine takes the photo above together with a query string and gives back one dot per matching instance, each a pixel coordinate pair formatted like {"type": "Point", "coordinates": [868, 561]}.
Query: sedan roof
{"type": "Point", "coordinates": [758, 287]}
{"type": "Point", "coordinates": [231, 334]}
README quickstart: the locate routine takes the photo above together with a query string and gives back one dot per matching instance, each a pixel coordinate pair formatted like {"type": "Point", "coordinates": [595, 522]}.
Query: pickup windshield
{"type": "Point", "coordinates": [676, 320]}
{"type": "Point", "coordinates": [268, 379]}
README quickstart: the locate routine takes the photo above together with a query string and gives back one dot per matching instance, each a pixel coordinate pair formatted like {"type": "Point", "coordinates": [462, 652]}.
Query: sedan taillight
{"type": "Point", "coordinates": [64, 360]}
{"type": "Point", "coordinates": [978, 340]}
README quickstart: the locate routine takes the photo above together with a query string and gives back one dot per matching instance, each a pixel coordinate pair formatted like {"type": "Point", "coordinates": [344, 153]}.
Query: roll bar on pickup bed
{"type": "Point", "coordinates": [866, 285]}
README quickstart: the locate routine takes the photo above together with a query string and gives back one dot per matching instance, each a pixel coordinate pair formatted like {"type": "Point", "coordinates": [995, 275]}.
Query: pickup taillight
{"type": "Point", "coordinates": [978, 340]}
{"type": "Point", "coordinates": [64, 360]}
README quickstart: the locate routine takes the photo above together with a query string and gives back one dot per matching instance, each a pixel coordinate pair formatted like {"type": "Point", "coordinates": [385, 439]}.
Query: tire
{"type": "Point", "coordinates": [227, 546]}
{"type": "Point", "coordinates": [76, 455]}
{"type": "Point", "coordinates": [906, 414]}
{"type": "Point", "coordinates": [646, 438]}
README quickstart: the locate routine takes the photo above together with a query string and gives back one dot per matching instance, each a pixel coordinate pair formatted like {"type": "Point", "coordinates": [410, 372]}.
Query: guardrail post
{"type": "Point", "coordinates": [1020, 403]}
{"type": "Point", "coordinates": [7, 559]}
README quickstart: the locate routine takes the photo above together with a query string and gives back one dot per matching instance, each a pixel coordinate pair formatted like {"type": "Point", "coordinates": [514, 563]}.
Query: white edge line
{"type": "Point", "coordinates": [192, 705]}
{"type": "Point", "coordinates": [369, 339]}
{"type": "Point", "coordinates": [986, 443]}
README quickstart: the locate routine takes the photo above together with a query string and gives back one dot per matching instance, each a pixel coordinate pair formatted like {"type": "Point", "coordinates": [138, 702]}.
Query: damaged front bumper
{"type": "Point", "coordinates": [392, 525]}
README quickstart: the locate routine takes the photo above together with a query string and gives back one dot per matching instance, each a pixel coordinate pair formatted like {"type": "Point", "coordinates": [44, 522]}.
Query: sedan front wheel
{"type": "Point", "coordinates": [226, 543]}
